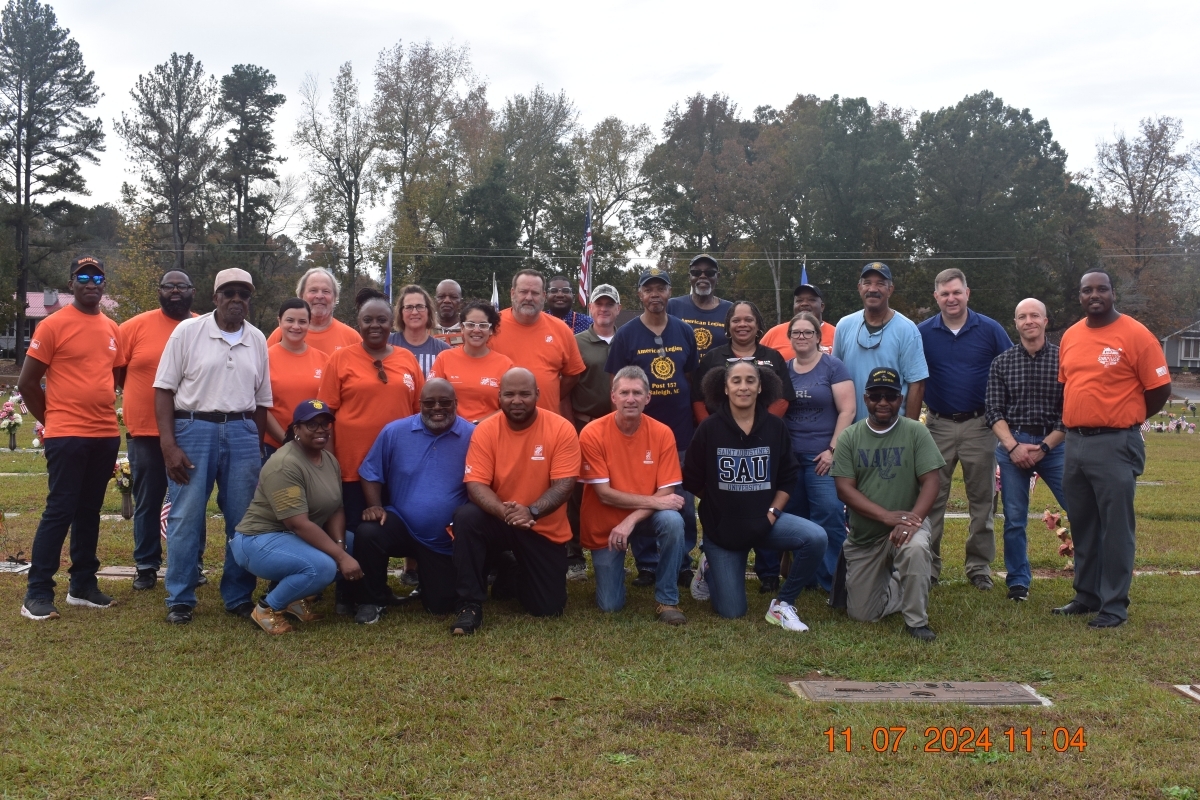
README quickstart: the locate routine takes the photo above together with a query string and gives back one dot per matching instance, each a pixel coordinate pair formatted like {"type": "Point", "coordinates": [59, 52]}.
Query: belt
{"type": "Point", "coordinates": [1098, 431]}
{"type": "Point", "coordinates": [219, 417]}
{"type": "Point", "coordinates": [1033, 430]}
{"type": "Point", "coordinates": [960, 417]}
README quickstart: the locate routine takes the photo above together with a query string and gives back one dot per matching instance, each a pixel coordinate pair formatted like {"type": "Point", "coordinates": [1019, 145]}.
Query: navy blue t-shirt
{"type": "Point", "coordinates": [708, 325]}
{"type": "Point", "coordinates": [667, 366]}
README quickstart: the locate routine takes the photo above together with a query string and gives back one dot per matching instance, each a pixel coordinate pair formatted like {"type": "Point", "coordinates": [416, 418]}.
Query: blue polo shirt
{"type": "Point", "coordinates": [423, 474]}
{"type": "Point", "coordinates": [959, 364]}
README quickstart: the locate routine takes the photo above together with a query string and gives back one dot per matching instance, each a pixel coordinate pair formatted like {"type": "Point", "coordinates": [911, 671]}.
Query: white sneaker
{"type": "Point", "coordinates": [699, 587]}
{"type": "Point", "coordinates": [784, 615]}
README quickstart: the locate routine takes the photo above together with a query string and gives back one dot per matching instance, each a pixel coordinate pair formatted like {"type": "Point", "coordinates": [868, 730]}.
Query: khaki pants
{"type": "Point", "coordinates": [972, 444]}
{"type": "Point", "coordinates": [873, 590]}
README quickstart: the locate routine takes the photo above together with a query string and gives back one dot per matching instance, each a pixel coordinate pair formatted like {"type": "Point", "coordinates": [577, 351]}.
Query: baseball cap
{"type": "Point", "coordinates": [654, 274]}
{"type": "Point", "coordinates": [876, 266]}
{"type": "Point", "coordinates": [605, 290]}
{"type": "Point", "coordinates": [308, 409]}
{"type": "Point", "coordinates": [87, 262]}
{"type": "Point", "coordinates": [233, 275]}
{"type": "Point", "coordinates": [810, 288]}
{"type": "Point", "coordinates": [883, 378]}
{"type": "Point", "coordinates": [704, 257]}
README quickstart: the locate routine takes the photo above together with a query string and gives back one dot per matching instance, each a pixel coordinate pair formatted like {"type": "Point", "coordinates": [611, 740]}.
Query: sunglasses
{"type": "Point", "coordinates": [314, 425]}
{"type": "Point", "coordinates": [883, 397]}
{"type": "Point", "coordinates": [83, 280]}
{"type": "Point", "coordinates": [241, 294]}
{"type": "Point", "coordinates": [702, 273]}
{"type": "Point", "coordinates": [873, 339]}
{"type": "Point", "coordinates": [736, 359]}
{"type": "Point", "coordinates": [662, 351]}
{"type": "Point", "coordinates": [477, 326]}
{"type": "Point", "coordinates": [377, 364]}
{"type": "Point", "coordinates": [437, 402]}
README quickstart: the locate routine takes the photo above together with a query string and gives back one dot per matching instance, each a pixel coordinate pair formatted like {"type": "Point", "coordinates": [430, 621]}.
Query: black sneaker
{"type": "Point", "coordinates": [368, 614]}
{"type": "Point", "coordinates": [768, 585]}
{"type": "Point", "coordinates": [180, 615]}
{"type": "Point", "coordinates": [39, 610]}
{"type": "Point", "coordinates": [89, 598]}
{"type": "Point", "coordinates": [924, 633]}
{"type": "Point", "coordinates": [685, 576]}
{"type": "Point", "coordinates": [146, 579]}
{"type": "Point", "coordinates": [244, 610]}
{"type": "Point", "coordinates": [1018, 594]}
{"type": "Point", "coordinates": [470, 618]}
{"type": "Point", "coordinates": [344, 609]}
{"type": "Point", "coordinates": [644, 577]}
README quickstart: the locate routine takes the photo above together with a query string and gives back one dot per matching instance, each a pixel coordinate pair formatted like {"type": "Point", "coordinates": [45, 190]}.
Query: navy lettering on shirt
{"type": "Point", "coordinates": [744, 470]}
{"type": "Point", "coordinates": [884, 460]}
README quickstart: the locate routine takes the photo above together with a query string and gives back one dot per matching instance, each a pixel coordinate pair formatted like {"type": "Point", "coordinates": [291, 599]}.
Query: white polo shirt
{"type": "Point", "coordinates": [209, 374]}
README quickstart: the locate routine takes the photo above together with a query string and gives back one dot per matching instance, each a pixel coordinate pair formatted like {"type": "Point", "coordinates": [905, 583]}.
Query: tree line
{"type": "Point", "coordinates": [466, 188]}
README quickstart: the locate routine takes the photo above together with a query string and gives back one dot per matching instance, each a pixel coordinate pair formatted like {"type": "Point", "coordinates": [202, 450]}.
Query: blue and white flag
{"type": "Point", "coordinates": [495, 293]}
{"type": "Point", "coordinates": [387, 281]}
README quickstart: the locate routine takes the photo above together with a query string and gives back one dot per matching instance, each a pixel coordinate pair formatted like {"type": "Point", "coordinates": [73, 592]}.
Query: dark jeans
{"type": "Point", "coordinates": [149, 491]}
{"type": "Point", "coordinates": [80, 469]}
{"type": "Point", "coordinates": [354, 503]}
{"type": "Point", "coordinates": [644, 549]}
{"type": "Point", "coordinates": [374, 544]}
{"type": "Point", "coordinates": [541, 568]}
{"type": "Point", "coordinates": [815, 498]}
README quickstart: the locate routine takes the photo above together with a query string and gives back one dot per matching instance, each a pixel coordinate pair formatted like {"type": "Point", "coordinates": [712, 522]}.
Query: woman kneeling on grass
{"type": "Point", "coordinates": [295, 529]}
{"type": "Point", "coordinates": [738, 460]}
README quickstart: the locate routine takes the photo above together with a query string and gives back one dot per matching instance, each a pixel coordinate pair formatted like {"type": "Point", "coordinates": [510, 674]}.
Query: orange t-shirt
{"type": "Point", "coordinates": [143, 339]}
{"type": "Point", "coordinates": [777, 339]}
{"type": "Point", "coordinates": [335, 337]}
{"type": "Point", "coordinates": [546, 348]}
{"type": "Point", "coordinates": [364, 404]}
{"type": "Point", "coordinates": [520, 465]}
{"type": "Point", "coordinates": [80, 351]}
{"type": "Point", "coordinates": [639, 464]}
{"type": "Point", "coordinates": [476, 381]}
{"type": "Point", "coordinates": [1106, 371]}
{"type": "Point", "coordinates": [295, 377]}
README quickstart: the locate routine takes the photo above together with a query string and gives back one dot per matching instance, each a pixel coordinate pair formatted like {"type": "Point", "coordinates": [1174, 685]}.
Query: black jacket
{"type": "Point", "coordinates": [737, 474]}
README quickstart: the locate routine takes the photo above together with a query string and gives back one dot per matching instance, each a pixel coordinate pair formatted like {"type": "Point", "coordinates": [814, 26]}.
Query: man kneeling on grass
{"type": "Point", "coordinates": [630, 471]}
{"type": "Point", "coordinates": [886, 471]}
{"type": "Point", "coordinates": [521, 467]}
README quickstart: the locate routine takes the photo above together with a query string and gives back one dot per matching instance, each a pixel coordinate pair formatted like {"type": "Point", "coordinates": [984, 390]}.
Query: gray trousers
{"type": "Point", "coordinates": [972, 444]}
{"type": "Point", "coordinates": [873, 590]}
{"type": "Point", "coordinates": [1099, 479]}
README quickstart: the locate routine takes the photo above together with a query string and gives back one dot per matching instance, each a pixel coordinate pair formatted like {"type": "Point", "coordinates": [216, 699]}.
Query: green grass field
{"type": "Point", "coordinates": [116, 704]}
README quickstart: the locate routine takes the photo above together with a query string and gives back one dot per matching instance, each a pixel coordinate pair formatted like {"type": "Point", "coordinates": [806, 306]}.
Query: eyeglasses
{"type": "Point", "coordinates": [377, 364]}
{"type": "Point", "coordinates": [314, 425]}
{"type": "Point", "coordinates": [421, 307]}
{"type": "Point", "coordinates": [83, 280]}
{"type": "Point", "coordinates": [241, 294]}
{"type": "Point", "coordinates": [477, 326]}
{"type": "Point", "coordinates": [802, 334]}
{"type": "Point", "coordinates": [176, 287]}
{"type": "Point", "coordinates": [873, 339]}
{"type": "Point", "coordinates": [702, 273]}
{"type": "Point", "coordinates": [430, 403]}
{"type": "Point", "coordinates": [883, 397]}
{"type": "Point", "coordinates": [559, 290]}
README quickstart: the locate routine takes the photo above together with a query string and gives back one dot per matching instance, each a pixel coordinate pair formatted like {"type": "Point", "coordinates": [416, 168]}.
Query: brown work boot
{"type": "Point", "coordinates": [670, 615]}
{"type": "Point", "coordinates": [301, 610]}
{"type": "Point", "coordinates": [271, 621]}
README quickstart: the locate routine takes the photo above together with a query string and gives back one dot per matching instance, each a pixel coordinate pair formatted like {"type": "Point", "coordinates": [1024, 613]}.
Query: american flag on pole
{"type": "Point", "coordinates": [162, 516]}
{"type": "Point", "coordinates": [585, 261]}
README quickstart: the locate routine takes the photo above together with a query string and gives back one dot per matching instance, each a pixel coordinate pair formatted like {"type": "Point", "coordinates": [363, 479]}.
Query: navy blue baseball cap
{"type": "Point", "coordinates": [876, 266]}
{"type": "Point", "coordinates": [653, 274]}
{"type": "Point", "coordinates": [310, 409]}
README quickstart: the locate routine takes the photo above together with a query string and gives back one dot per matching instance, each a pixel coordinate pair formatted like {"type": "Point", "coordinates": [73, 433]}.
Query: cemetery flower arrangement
{"type": "Point", "coordinates": [10, 417]}
{"type": "Point", "coordinates": [121, 416]}
{"type": "Point", "coordinates": [122, 476]}
{"type": "Point", "coordinates": [1053, 520]}
{"type": "Point", "coordinates": [39, 431]}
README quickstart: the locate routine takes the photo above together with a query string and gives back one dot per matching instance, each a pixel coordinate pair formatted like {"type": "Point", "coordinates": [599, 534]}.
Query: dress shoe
{"type": "Point", "coordinates": [1073, 609]}
{"type": "Point", "coordinates": [1106, 621]}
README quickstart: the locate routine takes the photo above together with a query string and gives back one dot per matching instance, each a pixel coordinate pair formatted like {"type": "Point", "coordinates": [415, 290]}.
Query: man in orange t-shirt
{"type": "Point", "coordinates": [540, 343]}
{"type": "Point", "coordinates": [806, 298]}
{"type": "Point", "coordinates": [77, 352]}
{"type": "Point", "coordinates": [1114, 378]}
{"type": "Point", "coordinates": [143, 339]}
{"type": "Point", "coordinates": [319, 288]}
{"type": "Point", "coordinates": [521, 467]}
{"type": "Point", "coordinates": [630, 470]}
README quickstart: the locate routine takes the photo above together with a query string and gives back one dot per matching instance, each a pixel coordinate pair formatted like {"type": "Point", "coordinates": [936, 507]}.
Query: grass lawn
{"type": "Point", "coordinates": [116, 704]}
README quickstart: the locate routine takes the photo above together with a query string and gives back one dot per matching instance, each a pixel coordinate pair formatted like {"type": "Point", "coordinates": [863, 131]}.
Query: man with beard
{"type": "Point", "coordinates": [448, 302]}
{"type": "Point", "coordinates": [420, 461]}
{"type": "Point", "coordinates": [211, 399]}
{"type": "Point", "coordinates": [559, 299]}
{"type": "Point", "coordinates": [143, 339]}
{"type": "Point", "coordinates": [808, 298]}
{"type": "Point", "coordinates": [701, 308]}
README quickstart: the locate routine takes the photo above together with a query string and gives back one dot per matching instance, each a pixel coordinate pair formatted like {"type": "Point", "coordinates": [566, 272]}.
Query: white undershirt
{"type": "Point", "coordinates": [234, 337]}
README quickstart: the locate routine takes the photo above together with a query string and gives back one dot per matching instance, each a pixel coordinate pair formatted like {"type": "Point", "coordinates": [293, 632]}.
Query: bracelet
{"type": "Point", "coordinates": [340, 541]}
{"type": "Point", "coordinates": [1014, 447]}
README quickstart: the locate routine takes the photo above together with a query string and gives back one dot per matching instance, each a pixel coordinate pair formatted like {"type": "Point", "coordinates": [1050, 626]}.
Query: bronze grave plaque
{"type": "Point", "coordinates": [974, 694]}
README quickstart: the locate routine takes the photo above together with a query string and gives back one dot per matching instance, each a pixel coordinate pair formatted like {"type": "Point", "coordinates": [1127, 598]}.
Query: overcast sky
{"type": "Point", "coordinates": [1090, 68]}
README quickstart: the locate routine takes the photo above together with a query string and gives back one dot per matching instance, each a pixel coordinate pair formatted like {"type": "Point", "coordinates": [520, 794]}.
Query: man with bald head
{"type": "Point", "coordinates": [520, 470]}
{"type": "Point", "coordinates": [419, 462]}
{"type": "Point", "coordinates": [448, 302]}
{"type": "Point", "coordinates": [1024, 409]}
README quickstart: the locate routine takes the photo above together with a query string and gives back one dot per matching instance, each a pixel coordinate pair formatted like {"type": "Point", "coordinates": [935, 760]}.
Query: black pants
{"type": "Point", "coordinates": [80, 469]}
{"type": "Point", "coordinates": [574, 506]}
{"type": "Point", "coordinates": [374, 544]}
{"type": "Point", "coordinates": [541, 568]}
{"type": "Point", "coordinates": [149, 473]}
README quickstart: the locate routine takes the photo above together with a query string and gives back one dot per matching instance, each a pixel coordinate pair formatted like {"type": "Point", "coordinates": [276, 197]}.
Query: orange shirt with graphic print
{"type": "Point", "coordinates": [363, 403]}
{"type": "Point", "coordinates": [330, 340]}
{"type": "Point", "coordinates": [1106, 371]}
{"type": "Point", "coordinates": [476, 381]}
{"type": "Point", "coordinates": [143, 339]}
{"type": "Point", "coordinates": [80, 352]}
{"type": "Point", "coordinates": [519, 466]}
{"type": "Point", "coordinates": [547, 348]}
{"type": "Point", "coordinates": [295, 377]}
{"type": "Point", "coordinates": [777, 339]}
{"type": "Point", "coordinates": [639, 464]}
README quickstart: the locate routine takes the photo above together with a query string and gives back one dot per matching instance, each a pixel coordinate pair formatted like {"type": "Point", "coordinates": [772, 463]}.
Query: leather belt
{"type": "Point", "coordinates": [218, 417]}
{"type": "Point", "coordinates": [1033, 430]}
{"type": "Point", "coordinates": [960, 417]}
{"type": "Point", "coordinates": [1097, 431]}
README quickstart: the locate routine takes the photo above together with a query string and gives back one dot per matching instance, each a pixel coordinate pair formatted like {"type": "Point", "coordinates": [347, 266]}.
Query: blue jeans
{"type": "Point", "coordinates": [225, 454]}
{"type": "Point", "coordinates": [646, 555]}
{"type": "Point", "coordinates": [1014, 492]}
{"type": "Point", "coordinates": [149, 491]}
{"type": "Point", "coordinates": [727, 568]}
{"type": "Point", "coordinates": [665, 530]}
{"type": "Point", "coordinates": [815, 498]}
{"type": "Point", "coordinates": [300, 568]}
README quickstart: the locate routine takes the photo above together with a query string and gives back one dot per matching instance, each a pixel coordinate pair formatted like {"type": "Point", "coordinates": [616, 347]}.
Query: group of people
{"type": "Point", "coordinates": [493, 448]}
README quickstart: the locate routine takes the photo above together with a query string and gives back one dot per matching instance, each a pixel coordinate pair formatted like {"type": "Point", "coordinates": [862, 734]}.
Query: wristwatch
{"type": "Point", "coordinates": [534, 512]}
{"type": "Point", "coordinates": [1045, 448]}
{"type": "Point", "coordinates": [774, 512]}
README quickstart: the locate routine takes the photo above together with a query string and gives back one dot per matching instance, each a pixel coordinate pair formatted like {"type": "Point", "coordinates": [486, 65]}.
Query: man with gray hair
{"type": "Point", "coordinates": [319, 288]}
{"type": "Point", "coordinates": [447, 324]}
{"type": "Point", "coordinates": [960, 346]}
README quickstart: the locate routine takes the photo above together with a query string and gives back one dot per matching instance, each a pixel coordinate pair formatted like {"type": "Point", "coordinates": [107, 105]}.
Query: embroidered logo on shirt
{"type": "Point", "coordinates": [549, 339]}
{"type": "Point", "coordinates": [317, 374]}
{"type": "Point", "coordinates": [1160, 371]}
{"type": "Point", "coordinates": [649, 458]}
{"type": "Point", "coordinates": [468, 470]}
{"type": "Point", "coordinates": [112, 343]}
{"type": "Point", "coordinates": [1110, 357]}
{"type": "Point", "coordinates": [495, 384]}
{"type": "Point", "coordinates": [35, 344]}
{"type": "Point", "coordinates": [587, 467]}
{"type": "Point", "coordinates": [537, 453]}
{"type": "Point", "coordinates": [408, 381]}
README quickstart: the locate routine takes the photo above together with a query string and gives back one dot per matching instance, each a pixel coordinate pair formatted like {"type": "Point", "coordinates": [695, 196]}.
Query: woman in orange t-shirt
{"type": "Point", "coordinates": [295, 368]}
{"type": "Point", "coordinates": [474, 370]}
{"type": "Point", "coordinates": [368, 386]}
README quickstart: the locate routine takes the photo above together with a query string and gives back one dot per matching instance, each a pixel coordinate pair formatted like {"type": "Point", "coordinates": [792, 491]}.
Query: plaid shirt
{"type": "Point", "coordinates": [1024, 390]}
{"type": "Point", "coordinates": [578, 323]}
